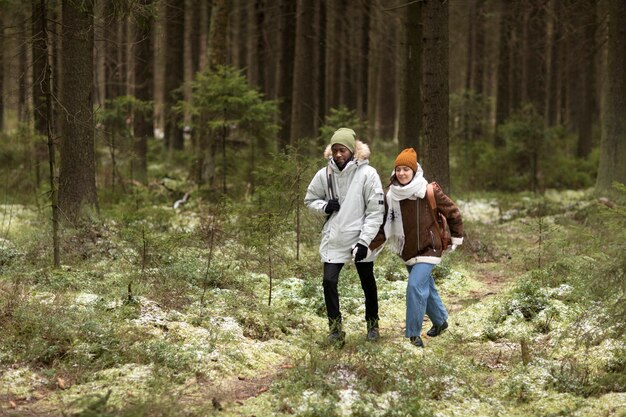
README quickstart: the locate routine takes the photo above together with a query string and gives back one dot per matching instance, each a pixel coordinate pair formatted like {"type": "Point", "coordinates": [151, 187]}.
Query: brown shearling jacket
{"type": "Point", "coordinates": [424, 241]}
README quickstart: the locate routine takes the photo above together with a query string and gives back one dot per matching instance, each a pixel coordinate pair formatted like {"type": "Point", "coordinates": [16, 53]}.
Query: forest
{"type": "Point", "coordinates": [157, 257]}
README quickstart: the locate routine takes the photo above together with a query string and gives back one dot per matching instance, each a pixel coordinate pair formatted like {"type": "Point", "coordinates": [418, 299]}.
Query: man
{"type": "Point", "coordinates": [349, 194]}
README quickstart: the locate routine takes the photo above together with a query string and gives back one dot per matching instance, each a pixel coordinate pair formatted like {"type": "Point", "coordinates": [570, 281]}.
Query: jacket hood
{"type": "Point", "coordinates": [361, 151]}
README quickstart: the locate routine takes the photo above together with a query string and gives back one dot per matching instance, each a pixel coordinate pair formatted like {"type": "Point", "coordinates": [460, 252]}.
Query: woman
{"type": "Point", "coordinates": [411, 233]}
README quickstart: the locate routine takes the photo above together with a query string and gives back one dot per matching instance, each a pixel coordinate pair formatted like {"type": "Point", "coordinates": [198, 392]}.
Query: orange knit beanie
{"type": "Point", "coordinates": [407, 157]}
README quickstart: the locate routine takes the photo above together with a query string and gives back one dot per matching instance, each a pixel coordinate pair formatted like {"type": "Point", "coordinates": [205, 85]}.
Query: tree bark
{"type": "Point", "coordinates": [143, 127]}
{"type": "Point", "coordinates": [320, 58]}
{"type": "Point", "coordinates": [503, 98]}
{"type": "Point", "coordinates": [46, 91]}
{"type": "Point", "coordinates": [303, 110]}
{"type": "Point", "coordinates": [363, 54]}
{"type": "Point", "coordinates": [585, 119]}
{"type": "Point", "coordinates": [410, 117]}
{"type": "Point", "coordinates": [174, 71]}
{"type": "Point", "coordinates": [285, 71]}
{"type": "Point", "coordinates": [535, 66]}
{"type": "Point", "coordinates": [436, 92]}
{"type": "Point", "coordinates": [39, 67]}
{"type": "Point", "coordinates": [77, 180]}
{"type": "Point", "coordinates": [553, 79]}
{"type": "Point", "coordinates": [613, 124]}
{"type": "Point", "coordinates": [2, 49]}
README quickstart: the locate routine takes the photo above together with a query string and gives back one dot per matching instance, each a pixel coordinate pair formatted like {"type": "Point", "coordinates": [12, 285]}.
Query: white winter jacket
{"type": "Point", "coordinates": [361, 198]}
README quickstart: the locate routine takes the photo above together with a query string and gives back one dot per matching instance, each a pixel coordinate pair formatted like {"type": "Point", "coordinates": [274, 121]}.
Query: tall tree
{"type": "Point", "coordinates": [77, 179]}
{"type": "Point", "coordinates": [24, 80]}
{"type": "Point", "coordinates": [362, 68]}
{"type": "Point", "coordinates": [144, 81]}
{"type": "Point", "coordinates": [114, 60]}
{"type": "Point", "coordinates": [303, 110]}
{"type": "Point", "coordinates": [555, 47]}
{"type": "Point", "coordinates": [503, 91]}
{"type": "Point", "coordinates": [40, 83]}
{"type": "Point", "coordinates": [285, 69]}
{"type": "Point", "coordinates": [174, 70]}
{"type": "Point", "coordinates": [320, 58]}
{"type": "Point", "coordinates": [2, 72]}
{"type": "Point", "coordinates": [586, 105]}
{"type": "Point", "coordinates": [40, 57]}
{"type": "Point", "coordinates": [613, 124]}
{"type": "Point", "coordinates": [410, 116]}
{"type": "Point", "coordinates": [535, 60]}
{"type": "Point", "coordinates": [436, 92]}
{"type": "Point", "coordinates": [218, 42]}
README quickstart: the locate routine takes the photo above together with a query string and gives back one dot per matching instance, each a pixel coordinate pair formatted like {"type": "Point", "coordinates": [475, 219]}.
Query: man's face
{"type": "Point", "coordinates": [341, 155]}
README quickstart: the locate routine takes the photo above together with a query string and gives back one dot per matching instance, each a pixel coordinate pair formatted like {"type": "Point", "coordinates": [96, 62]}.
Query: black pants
{"type": "Point", "coordinates": [331, 295]}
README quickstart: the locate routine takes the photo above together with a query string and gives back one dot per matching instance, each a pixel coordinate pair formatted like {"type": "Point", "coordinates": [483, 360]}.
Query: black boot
{"type": "Point", "coordinates": [416, 341]}
{"type": "Point", "coordinates": [437, 330]}
{"type": "Point", "coordinates": [336, 336]}
{"type": "Point", "coordinates": [372, 330]}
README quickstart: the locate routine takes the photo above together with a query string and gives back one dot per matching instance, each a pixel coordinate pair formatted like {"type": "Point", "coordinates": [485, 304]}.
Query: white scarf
{"type": "Point", "coordinates": [394, 230]}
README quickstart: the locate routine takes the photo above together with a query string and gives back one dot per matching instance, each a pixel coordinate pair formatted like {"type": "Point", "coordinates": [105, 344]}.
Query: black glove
{"type": "Point", "coordinates": [361, 252]}
{"type": "Point", "coordinates": [332, 206]}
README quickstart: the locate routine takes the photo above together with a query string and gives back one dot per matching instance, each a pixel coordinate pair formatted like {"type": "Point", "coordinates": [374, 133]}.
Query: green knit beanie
{"type": "Point", "coordinates": [345, 137]}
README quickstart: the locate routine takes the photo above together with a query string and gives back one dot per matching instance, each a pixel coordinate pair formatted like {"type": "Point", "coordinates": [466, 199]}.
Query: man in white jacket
{"type": "Point", "coordinates": [348, 192]}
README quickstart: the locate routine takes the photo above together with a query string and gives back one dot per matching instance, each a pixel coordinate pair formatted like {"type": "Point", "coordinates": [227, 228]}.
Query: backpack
{"type": "Point", "coordinates": [441, 223]}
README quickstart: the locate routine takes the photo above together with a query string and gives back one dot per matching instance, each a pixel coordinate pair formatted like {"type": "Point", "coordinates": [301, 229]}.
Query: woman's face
{"type": "Point", "coordinates": [404, 174]}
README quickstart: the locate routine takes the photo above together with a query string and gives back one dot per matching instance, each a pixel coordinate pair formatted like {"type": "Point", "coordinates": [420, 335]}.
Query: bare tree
{"type": "Point", "coordinates": [613, 125]}
{"type": "Point", "coordinates": [77, 179]}
{"type": "Point", "coordinates": [436, 92]}
{"type": "Point", "coordinates": [303, 108]}
{"type": "Point", "coordinates": [410, 125]}
{"type": "Point", "coordinates": [174, 70]}
{"type": "Point", "coordinates": [143, 128]}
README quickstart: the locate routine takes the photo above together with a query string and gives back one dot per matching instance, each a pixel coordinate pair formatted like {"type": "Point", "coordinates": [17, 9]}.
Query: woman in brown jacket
{"type": "Point", "coordinates": [410, 232]}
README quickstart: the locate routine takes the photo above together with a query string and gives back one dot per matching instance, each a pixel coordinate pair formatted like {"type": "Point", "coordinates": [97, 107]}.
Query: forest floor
{"type": "Point", "coordinates": [274, 361]}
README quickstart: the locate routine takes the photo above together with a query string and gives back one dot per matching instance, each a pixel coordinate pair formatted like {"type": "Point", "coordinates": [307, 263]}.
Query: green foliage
{"type": "Point", "coordinates": [23, 165]}
{"type": "Point", "coordinates": [341, 117]}
{"type": "Point", "coordinates": [467, 116]}
{"type": "Point", "coordinates": [222, 100]}
{"type": "Point", "coordinates": [526, 161]}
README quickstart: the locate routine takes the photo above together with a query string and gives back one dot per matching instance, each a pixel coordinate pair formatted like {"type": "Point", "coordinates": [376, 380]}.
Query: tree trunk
{"type": "Point", "coordinates": [2, 49]}
{"type": "Point", "coordinates": [303, 110]}
{"type": "Point", "coordinates": [77, 181]}
{"type": "Point", "coordinates": [39, 82]}
{"type": "Point", "coordinates": [320, 69]}
{"type": "Point", "coordinates": [613, 124]}
{"type": "Point", "coordinates": [410, 122]}
{"type": "Point", "coordinates": [285, 71]}
{"type": "Point", "coordinates": [553, 89]}
{"type": "Point", "coordinates": [46, 92]}
{"type": "Point", "coordinates": [113, 44]}
{"type": "Point", "coordinates": [217, 56]}
{"type": "Point", "coordinates": [254, 64]}
{"type": "Point", "coordinates": [517, 57]}
{"type": "Point", "coordinates": [363, 63]}
{"type": "Point", "coordinates": [436, 92]}
{"type": "Point", "coordinates": [218, 42]}
{"type": "Point", "coordinates": [503, 100]}
{"type": "Point", "coordinates": [535, 66]}
{"type": "Point", "coordinates": [143, 127]}
{"type": "Point", "coordinates": [24, 78]}
{"type": "Point", "coordinates": [585, 119]}
{"type": "Point", "coordinates": [205, 18]}
{"type": "Point", "coordinates": [39, 67]}
{"type": "Point", "coordinates": [174, 71]}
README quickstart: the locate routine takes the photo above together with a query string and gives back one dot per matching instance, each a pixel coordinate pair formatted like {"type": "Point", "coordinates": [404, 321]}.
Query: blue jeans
{"type": "Point", "coordinates": [422, 298]}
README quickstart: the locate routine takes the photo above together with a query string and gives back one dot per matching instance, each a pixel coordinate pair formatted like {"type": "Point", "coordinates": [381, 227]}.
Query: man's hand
{"type": "Point", "coordinates": [360, 252]}
{"type": "Point", "coordinates": [332, 206]}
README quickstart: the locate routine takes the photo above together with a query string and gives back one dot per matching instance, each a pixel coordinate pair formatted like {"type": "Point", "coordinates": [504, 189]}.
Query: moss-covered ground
{"type": "Point", "coordinates": [146, 318]}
